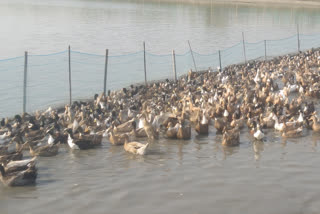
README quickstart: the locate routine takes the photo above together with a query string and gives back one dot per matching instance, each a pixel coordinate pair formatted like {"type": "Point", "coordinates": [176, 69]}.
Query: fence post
{"type": "Point", "coordinates": [105, 73]}
{"type": "Point", "coordinates": [265, 49]}
{"type": "Point", "coordinates": [194, 62]}
{"type": "Point", "coordinates": [244, 48]}
{"type": "Point", "coordinates": [145, 66]}
{"type": "Point", "coordinates": [220, 61]}
{"type": "Point", "coordinates": [174, 65]}
{"type": "Point", "coordinates": [70, 96]}
{"type": "Point", "coordinates": [25, 81]}
{"type": "Point", "coordinates": [298, 37]}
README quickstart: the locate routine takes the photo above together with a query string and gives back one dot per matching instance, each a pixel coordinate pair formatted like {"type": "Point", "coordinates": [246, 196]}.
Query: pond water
{"type": "Point", "coordinates": [196, 176]}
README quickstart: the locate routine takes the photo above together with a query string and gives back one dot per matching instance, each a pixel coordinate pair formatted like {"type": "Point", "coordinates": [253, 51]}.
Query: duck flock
{"type": "Point", "coordinates": [277, 94]}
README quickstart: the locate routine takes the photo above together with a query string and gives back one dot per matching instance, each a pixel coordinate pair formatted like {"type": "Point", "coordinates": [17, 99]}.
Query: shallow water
{"type": "Point", "coordinates": [49, 26]}
{"type": "Point", "coordinates": [196, 176]}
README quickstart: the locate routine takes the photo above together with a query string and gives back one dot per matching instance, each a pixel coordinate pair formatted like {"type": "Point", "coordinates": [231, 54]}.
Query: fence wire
{"type": "Point", "coordinates": [48, 75]}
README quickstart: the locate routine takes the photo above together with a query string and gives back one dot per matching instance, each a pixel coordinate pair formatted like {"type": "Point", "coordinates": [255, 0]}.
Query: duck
{"type": "Point", "coordinates": [237, 122]}
{"type": "Point", "coordinates": [19, 165]}
{"type": "Point", "coordinates": [278, 126]}
{"type": "Point", "coordinates": [124, 127]}
{"type": "Point", "coordinates": [137, 133]}
{"type": "Point", "coordinates": [202, 126]}
{"type": "Point", "coordinates": [184, 131]}
{"type": "Point", "coordinates": [116, 139]}
{"type": "Point", "coordinates": [135, 147]}
{"type": "Point", "coordinates": [258, 134]}
{"type": "Point", "coordinates": [172, 131]}
{"type": "Point", "coordinates": [83, 142]}
{"type": "Point", "coordinates": [18, 178]}
{"type": "Point", "coordinates": [151, 133]}
{"type": "Point", "coordinates": [231, 137]}
{"type": "Point", "coordinates": [219, 124]}
{"type": "Point", "coordinates": [11, 157]}
{"type": "Point", "coordinates": [315, 125]}
{"type": "Point", "coordinates": [5, 136]}
{"type": "Point", "coordinates": [45, 151]}
{"type": "Point", "coordinates": [293, 133]}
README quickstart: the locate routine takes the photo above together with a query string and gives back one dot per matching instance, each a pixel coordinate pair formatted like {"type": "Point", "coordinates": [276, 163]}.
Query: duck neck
{"type": "Point", "coordinates": [126, 140]}
{"type": "Point", "coordinates": [3, 173]}
{"type": "Point", "coordinates": [31, 150]}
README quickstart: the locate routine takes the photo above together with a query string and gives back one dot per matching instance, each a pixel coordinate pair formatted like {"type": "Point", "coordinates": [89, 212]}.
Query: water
{"type": "Point", "coordinates": [46, 27]}
{"type": "Point", "coordinates": [43, 27]}
{"type": "Point", "coordinates": [196, 176]}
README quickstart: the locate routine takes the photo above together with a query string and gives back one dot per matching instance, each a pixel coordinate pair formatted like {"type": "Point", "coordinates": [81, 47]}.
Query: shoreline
{"type": "Point", "coordinates": [273, 3]}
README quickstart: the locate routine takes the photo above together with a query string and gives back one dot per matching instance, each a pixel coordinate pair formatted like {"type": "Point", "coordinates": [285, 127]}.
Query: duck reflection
{"type": "Point", "coordinates": [228, 151]}
{"type": "Point", "coordinates": [258, 148]}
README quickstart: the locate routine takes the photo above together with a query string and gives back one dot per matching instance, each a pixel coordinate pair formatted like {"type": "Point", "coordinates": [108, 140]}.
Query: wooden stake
{"type": "Point", "coordinates": [174, 65]}
{"type": "Point", "coordinates": [244, 48]}
{"type": "Point", "coordinates": [194, 62]}
{"type": "Point", "coordinates": [105, 73]}
{"type": "Point", "coordinates": [298, 37]}
{"type": "Point", "coordinates": [220, 61]}
{"type": "Point", "coordinates": [70, 96]}
{"type": "Point", "coordinates": [265, 49]}
{"type": "Point", "coordinates": [145, 66]}
{"type": "Point", "coordinates": [25, 82]}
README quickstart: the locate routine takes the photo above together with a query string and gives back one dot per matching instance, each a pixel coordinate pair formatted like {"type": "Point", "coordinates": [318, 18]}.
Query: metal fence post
{"type": "Point", "coordinates": [105, 73]}
{"type": "Point", "coordinates": [244, 48]}
{"type": "Point", "coordinates": [194, 62]}
{"type": "Point", "coordinates": [70, 96]}
{"type": "Point", "coordinates": [220, 61]}
{"type": "Point", "coordinates": [145, 66]}
{"type": "Point", "coordinates": [25, 81]}
{"type": "Point", "coordinates": [174, 65]}
{"type": "Point", "coordinates": [298, 37]}
{"type": "Point", "coordinates": [265, 49]}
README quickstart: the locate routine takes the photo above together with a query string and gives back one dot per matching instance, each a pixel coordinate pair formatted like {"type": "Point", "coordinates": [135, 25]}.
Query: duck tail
{"type": "Point", "coordinates": [143, 150]}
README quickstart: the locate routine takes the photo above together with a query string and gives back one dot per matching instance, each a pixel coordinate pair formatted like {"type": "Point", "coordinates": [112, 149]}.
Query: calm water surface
{"type": "Point", "coordinates": [196, 176]}
{"type": "Point", "coordinates": [47, 26]}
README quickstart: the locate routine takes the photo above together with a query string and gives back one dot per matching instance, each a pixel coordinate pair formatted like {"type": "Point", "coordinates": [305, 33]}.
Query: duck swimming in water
{"type": "Point", "coordinates": [202, 126]}
{"type": "Point", "coordinates": [135, 147]}
{"type": "Point", "coordinates": [83, 141]}
{"type": "Point", "coordinates": [258, 134]}
{"type": "Point", "coordinates": [18, 178]}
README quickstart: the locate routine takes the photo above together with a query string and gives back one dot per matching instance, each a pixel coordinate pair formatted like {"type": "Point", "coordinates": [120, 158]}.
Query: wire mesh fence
{"type": "Point", "coordinates": [47, 76]}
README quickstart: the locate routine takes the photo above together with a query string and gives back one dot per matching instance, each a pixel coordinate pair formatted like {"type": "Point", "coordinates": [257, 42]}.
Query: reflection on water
{"type": "Point", "coordinates": [196, 176]}
{"type": "Point", "coordinates": [198, 168]}
{"type": "Point", "coordinates": [258, 147]}
{"type": "Point", "coordinates": [121, 26]}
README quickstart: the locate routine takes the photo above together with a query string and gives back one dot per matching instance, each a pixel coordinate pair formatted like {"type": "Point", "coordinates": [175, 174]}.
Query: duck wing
{"type": "Point", "coordinates": [20, 163]}
{"type": "Point", "coordinates": [21, 178]}
{"type": "Point", "coordinates": [84, 144]}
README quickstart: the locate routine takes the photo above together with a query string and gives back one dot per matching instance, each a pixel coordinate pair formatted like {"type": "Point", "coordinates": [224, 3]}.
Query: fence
{"type": "Point", "coordinates": [37, 81]}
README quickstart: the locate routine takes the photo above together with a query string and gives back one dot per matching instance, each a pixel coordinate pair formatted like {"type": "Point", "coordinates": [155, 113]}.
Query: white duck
{"type": "Point", "coordinates": [258, 134]}
{"type": "Point", "coordinates": [50, 140]}
{"type": "Point", "coordinates": [225, 113]}
{"type": "Point", "coordinates": [71, 144]}
{"type": "Point", "coordinates": [141, 123]}
{"type": "Point", "coordinates": [278, 126]}
{"type": "Point", "coordinates": [204, 119]}
{"type": "Point", "coordinates": [300, 118]}
{"type": "Point", "coordinates": [257, 78]}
